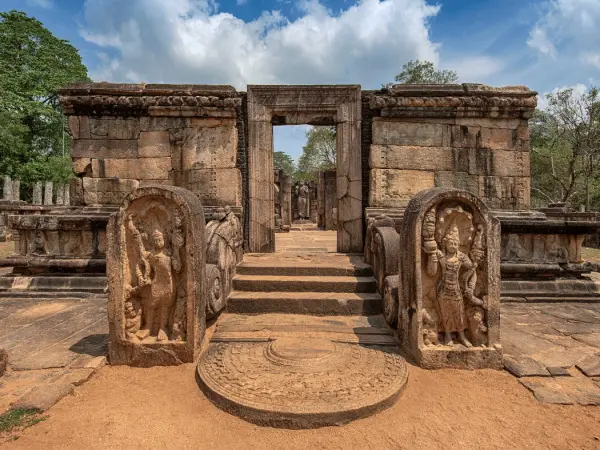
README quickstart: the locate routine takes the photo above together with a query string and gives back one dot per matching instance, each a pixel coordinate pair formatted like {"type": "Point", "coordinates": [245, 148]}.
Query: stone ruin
{"type": "Point", "coordinates": [157, 278]}
{"type": "Point", "coordinates": [431, 185]}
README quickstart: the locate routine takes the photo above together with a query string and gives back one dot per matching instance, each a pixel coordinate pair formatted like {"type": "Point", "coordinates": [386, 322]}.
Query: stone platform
{"type": "Point", "coordinates": [296, 371]}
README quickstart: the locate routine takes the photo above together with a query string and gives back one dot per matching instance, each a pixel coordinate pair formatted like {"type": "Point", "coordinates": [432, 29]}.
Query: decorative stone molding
{"type": "Point", "coordinates": [157, 278]}
{"type": "Point", "coordinates": [109, 99]}
{"type": "Point", "coordinates": [454, 100]}
{"type": "Point", "coordinates": [449, 287]}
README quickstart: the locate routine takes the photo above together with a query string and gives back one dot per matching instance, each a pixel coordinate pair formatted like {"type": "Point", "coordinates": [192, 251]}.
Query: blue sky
{"type": "Point", "coordinates": [544, 44]}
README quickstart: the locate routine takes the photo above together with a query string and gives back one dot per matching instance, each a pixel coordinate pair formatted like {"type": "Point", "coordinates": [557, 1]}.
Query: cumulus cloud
{"type": "Point", "coordinates": [475, 69]}
{"type": "Point", "coordinates": [190, 41]}
{"type": "Point", "coordinates": [567, 28]}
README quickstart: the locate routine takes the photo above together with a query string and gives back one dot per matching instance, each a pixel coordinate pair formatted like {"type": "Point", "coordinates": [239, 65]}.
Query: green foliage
{"type": "Point", "coordinates": [19, 418]}
{"type": "Point", "coordinates": [565, 144]}
{"type": "Point", "coordinates": [424, 72]}
{"type": "Point", "coordinates": [34, 64]}
{"type": "Point", "coordinates": [318, 153]}
{"type": "Point", "coordinates": [283, 161]}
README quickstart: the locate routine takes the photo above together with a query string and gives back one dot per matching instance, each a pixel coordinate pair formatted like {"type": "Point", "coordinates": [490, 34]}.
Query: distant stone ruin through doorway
{"type": "Point", "coordinates": [338, 105]}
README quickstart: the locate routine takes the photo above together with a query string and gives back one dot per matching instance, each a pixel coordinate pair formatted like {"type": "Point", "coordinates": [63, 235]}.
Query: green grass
{"type": "Point", "coordinates": [19, 419]}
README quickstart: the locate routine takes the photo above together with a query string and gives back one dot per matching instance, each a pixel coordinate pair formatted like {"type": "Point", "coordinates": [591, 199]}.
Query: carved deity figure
{"type": "Point", "coordinates": [158, 276]}
{"type": "Point", "coordinates": [457, 278]}
{"type": "Point", "coordinates": [303, 194]}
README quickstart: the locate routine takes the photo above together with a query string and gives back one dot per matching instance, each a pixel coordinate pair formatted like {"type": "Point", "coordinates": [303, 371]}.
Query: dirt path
{"type": "Point", "coordinates": [162, 407]}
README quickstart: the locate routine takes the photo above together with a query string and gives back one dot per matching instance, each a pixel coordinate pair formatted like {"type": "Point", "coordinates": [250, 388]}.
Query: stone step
{"type": "Point", "coordinates": [52, 285]}
{"type": "Point", "coordinates": [271, 283]}
{"type": "Point", "coordinates": [311, 303]}
{"type": "Point", "coordinates": [303, 269]}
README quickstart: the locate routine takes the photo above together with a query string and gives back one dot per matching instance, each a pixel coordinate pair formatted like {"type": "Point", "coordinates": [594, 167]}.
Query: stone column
{"type": "Point", "coordinates": [16, 190]}
{"type": "Point", "coordinates": [48, 193]}
{"type": "Point", "coordinates": [60, 194]}
{"type": "Point", "coordinates": [67, 195]}
{"type": "Point", "coordinates": [37, 193]}
{"type": "Point", "coordinates": [285, 185]}
{"type": "Point", "coordinates": [7, 191]}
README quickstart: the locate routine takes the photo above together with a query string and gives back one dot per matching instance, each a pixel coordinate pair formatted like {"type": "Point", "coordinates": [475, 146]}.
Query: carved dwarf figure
{"type": "Point", "coordinates": [159, 278]}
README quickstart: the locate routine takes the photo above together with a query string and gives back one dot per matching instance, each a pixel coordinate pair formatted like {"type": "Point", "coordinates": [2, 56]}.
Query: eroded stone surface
{"type": "Point", "coordinates": [524, 366]}
{"type": "Point", "coordinates": [304, 376]}
{"type": "Point", "coordinates": [157, 280]}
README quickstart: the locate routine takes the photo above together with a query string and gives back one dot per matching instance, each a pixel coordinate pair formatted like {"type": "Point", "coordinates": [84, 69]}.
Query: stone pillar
{"type": "Point", "coordinates": [449, 289]}
{"type": "Point", "coordinates": [37, 193]}
{"type": "Point", "coordinates": [174, 217]}
{"type": "Point", "coordinates": [330, 199]}
{"type": "Point", "coordinates": [7, 194]}
{"type": "Point", "coordinates": [60, 194]}
{"type": "Point", "coordinates": [67, 195]}
{"type": "Point", "coordinates": [285, 185]}
{"type": "Point", "coordinates": [48, 193]}
{"type": "Point", "coordinates": [16, 190]}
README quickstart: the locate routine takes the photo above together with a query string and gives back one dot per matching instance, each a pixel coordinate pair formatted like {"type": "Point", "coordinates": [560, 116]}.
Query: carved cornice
{"type": "Point", "coordinates": [454, 100]}
{"type": "Point", "coordinates": [138, 99]}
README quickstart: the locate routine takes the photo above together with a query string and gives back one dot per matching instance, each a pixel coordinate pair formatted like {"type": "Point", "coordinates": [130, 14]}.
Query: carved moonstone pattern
{"type": "Point", "coordinates": [157, 278]}
{"type": "Point", "coordinates": [449, 287]}
{"type": "Point", "coordinates": [301, 382]}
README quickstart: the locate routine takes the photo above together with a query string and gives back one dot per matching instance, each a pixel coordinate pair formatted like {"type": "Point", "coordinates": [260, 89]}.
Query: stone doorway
{"type": "Point", "coordinates": [338, 105]}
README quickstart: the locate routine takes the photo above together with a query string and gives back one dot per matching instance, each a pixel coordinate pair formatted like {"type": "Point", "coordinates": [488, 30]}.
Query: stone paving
{"type": "Point", "coordinates": [554, 350]}
{"type": "Point", "coordinates": [52, 344]}
{"type": "Point", "coordinates": [306, 238]}
{"type": "Point", "coordinates": [56, 344]}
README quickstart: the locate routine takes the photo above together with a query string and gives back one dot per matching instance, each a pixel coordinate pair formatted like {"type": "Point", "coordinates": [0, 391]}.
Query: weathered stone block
{"type": "Point", "coordinates": [162, 123]}
{"type": "Point", "coordinates": [140, 169]}
{"type": "Point", "coordinates": [394, 132]}
{"type": "Point", "coordinates": [153, 144]}
{"type": "Point", "coordinates": [449, 289]}
{"type": "Point", "coordinates": [458, 180]}
{"type": "Point", "coordinates": [394, 188]}
{"type": "Point", "coordinates": [3, 361]}
{"type": "Point", "coordinates": [505, 192]}
{"type": "Point", "coordinates": [210, 144]}
{"type": "Point", "coordinates": [106, 191]}
{"type": "Point", "coordinates": [82, 166]}
{"type": "Point", "coordinates": [104, 148]}
{"type": "Point", "coordinates": [497, 138]}
{"type": "Point", "coordinates": [214, 187]}
{"type": "Point", "coordinates": [410, 158]}
{"type": "Point", "coordinates": [157, 320]}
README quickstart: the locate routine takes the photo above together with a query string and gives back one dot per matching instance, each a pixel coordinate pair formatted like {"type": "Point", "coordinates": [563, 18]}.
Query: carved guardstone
{"type": "Point", "coordinates": [449, 290]}
{"type": "Point", "coordinates": [156, 277]}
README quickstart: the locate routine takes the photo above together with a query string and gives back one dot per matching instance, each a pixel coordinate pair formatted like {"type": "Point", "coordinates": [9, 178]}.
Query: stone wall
{"type": "Point", "coordinates": [129, 136]}
{"type": "Point", "coordinates": [470, 137]}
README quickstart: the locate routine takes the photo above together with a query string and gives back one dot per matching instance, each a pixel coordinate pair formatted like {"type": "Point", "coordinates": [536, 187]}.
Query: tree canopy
{"type": "Point", "coordinates": [34, 64]}
{"type": "Point", "coordinates": [565, 144]}
{"type": "Point", "coordinates": [318, 153]}
{"type": "Point", "coordinates": [283, 161]}
{"type": "Point", "coordinates": [424, 72]}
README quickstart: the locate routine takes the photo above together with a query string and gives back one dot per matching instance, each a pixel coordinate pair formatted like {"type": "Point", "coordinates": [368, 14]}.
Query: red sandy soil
{"type": "Point", "coordinates": [162, 407]}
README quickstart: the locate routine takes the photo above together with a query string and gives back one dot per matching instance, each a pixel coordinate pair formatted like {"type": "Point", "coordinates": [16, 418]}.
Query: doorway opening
{"type": "Point", "coordinates": [305, 201]}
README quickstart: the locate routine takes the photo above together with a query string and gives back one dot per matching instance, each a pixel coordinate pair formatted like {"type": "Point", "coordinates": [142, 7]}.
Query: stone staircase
{"type": "Point", "coordinates": [326, 284]}
{"type": "Point", "coordinates": [53, 286]}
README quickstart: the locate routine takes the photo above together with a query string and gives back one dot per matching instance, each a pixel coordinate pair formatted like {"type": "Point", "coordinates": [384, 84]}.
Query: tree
{"type": "Point", "coordinates": [565, 139]}
{"type": "Point", "coordinates": [34, 64]}
{"type": "Point", "coordinates": [283, 161]}
{"type": "Point", "coordinates": [318, 153]}
{"type": "Point", "coordinates": [424, 72]}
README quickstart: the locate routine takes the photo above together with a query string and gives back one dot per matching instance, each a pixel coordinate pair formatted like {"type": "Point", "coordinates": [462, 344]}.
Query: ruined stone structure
{"type": "Point", "coordinates": [157, 278]}
{"type": "Point", "coordinates": [326, 200]}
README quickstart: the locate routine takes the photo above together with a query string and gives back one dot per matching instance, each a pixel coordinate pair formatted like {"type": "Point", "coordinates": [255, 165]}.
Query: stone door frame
{"type": "Point", "coordinates": [338, 105]}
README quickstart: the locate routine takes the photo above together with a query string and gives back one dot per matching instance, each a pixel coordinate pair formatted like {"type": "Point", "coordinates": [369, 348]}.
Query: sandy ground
{"type": "Point", "coordinates": [122, 407]}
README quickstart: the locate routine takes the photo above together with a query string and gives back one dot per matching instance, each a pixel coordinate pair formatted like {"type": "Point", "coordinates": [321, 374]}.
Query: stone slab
{"type": "Point", "coordinates": [3, 361]}
{"type": "Point", "coordinates": [157, 168]}
{"type": "Point", "coordinates": [104, 148]}
{"type": "Point", "coordinates": [523, 366]}
{"type": "Point", "coordinates": [214, 187]}
{"type": "Point", "coordinates": [563, 390]}
{"type": "Point", "coordinates": [559, 371]}
{"type": "Point", "coordinates": [394, 188]}
{"type": "Point", "coordinates": [210, 144]}
{"type": "Point", "coordinates": [590, 365]}
{"type": "Point", "coordinates": [397, 132]}
{"type": "Point", "coordinates": [411, 158]}
{"type": "Point", "coordinates": [107, 191]}
{"type": "Point", "coordinates": [154, 144]}
{"type": "Point", "coordinates": [44, 397]}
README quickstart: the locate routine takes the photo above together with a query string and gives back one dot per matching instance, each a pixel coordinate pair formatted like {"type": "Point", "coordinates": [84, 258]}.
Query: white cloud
{"type": "Point", "coordinates": [189, 41]}
{"type": "Point", "coordinates": [241, 2]}
{"type": "Point", "coordinates": [46, 4]}
{"type": "Point", "coordinates": [578, 89]}
{"type": "Point", "coordinates": [567, 28]}
{"type": "Point", "coordinates": [475, 69]}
